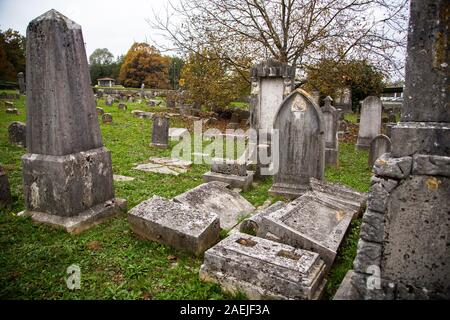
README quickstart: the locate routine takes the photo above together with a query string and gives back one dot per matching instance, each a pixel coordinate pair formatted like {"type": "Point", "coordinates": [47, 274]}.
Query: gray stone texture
{"type": "Point", "coordinates": [395, 168]}
{"type": "Point", "coordinates": [160, 133]}
{"type": "Point", "coordinates": [100, 111]}
{"type": "Point", "coordinates": [431, 165]}
{"type": "Point", "coordinates": [21, 82]}
{"type": "Point", "coordinates": [175, 224]}
{"type": "Point", "coordinates": [331, 118]}
{"type": "Point", "coordinates": [17, 134]}
{"type": "Point", "coordinates": [381, 144]}
{"type": "Point", "coordinates": [301, 145]}
{"type": "Point", "coordinates": [263, 269]}
{"type": "Point", "coordinates": [370, 123]}
{"type": "Point", "coordinates": [215, 197]}
{"type": "Point", "coordinates": [229, 166]}
{"type": "Point", "coordinates": [343, 99]}
{"type": "Point", "coordinates": [5, 190]}
{"type": "Point", "coordinates": [347, 290]}
{"type": "Point", "coordinates": [107, 118]}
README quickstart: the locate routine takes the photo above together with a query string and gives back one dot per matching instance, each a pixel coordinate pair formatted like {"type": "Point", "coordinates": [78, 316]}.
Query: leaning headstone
{"type": "Point", "coordinates": [370, 123]}
{"type": "Point", "coordinates": [301, 145]}
{"type": "Point", "coordinates": [160, 133]}
{"type": "Point", "coordinates": [215, 197]}
{"type": "Point", "coordinates": [5, 191]}
{"type": "Point", "coordinates": [233, 172]}
{"type": "Point", "coordinates": [107, 118]}
{"type": "Point", "coordinates": [17, 134]}
{"type": "Point", "coordinates": [21, 81]}
{"type": "Point", "coordinates": [264, 269]}
{"type": "Point", "coordinates": [381, 144]}
{"type": "Point", "coordinates": [175, 224]}
{"type": "Point", "coordinates": [330, 118]}
{"type": "Point", "coordinates": [67, 173]}
{"type": "Point", "coordinates": [403, 251]}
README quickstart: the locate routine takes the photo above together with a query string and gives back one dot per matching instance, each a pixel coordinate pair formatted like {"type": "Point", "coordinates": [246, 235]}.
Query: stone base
{"type": "Point", "coordinates": [241, 182]}
{"type": "Point", "coordinates": [82, 221]}
{"type": "Point", "coordinates": [263, 269]}
{"type": "Point", "coordinates": [331, 157]}
{"type": "Point", "coordinates": [289, 191]}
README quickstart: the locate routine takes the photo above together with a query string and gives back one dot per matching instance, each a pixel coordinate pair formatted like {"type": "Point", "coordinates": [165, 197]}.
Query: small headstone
{"type": "Point", "coordinates": [107, 118]}
{"type": "Point", "coordinates": [21, 81]}
{"type": "Point", "coordinates": [5, 191]}
{"type": "Point", "coordinates": [175, 224]}
{"type": "Point", "coordinates": [330, 117]}
{"type": "Point", "coordinates": [142, 93]}
{"type": "Point", "coordinates": [100, 111]}
{"type": "Point", "coordinates": [17, 133]}
{"type": "Point", "coordinates": [263, 269]}
{"type": "Point", "coordinates": [381, 144]}
{"type": "Point", "coordinates": [12, 111]}
{"type": "Point", "coordinates": [370, 123]}
{"type": "Point", "coordinates": [160, 133]}
{"type": "Point", "coordinates": [232, 172]}
{"type": "Point", "coordinates": [217, 198]}
{"type": "Point", "coordinates": [9, 104]}
{"type": "Point", "coordinates": [122, 106]}
{"type": "Point", "coordinates": [109, 101]}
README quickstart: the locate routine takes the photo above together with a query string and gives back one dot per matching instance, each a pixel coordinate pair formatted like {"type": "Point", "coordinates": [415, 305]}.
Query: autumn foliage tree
{"type": "Point", "coordinates": [211, 82]}
{"type": "Point", "coordinates": [144, 64]}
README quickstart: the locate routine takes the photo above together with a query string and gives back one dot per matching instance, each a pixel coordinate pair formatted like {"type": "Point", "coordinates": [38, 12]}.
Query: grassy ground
{"type": "Point", "coordinates": [114, 263]}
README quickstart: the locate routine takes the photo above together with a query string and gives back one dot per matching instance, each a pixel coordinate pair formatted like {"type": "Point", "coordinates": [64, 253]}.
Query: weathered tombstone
{"type": "Point", "coordinates": [5, 191]}
{"type": "Point", "coordinates": [301, 145]}
{"type": "Point", "coordinates": [67, 173]}
{"type": "Point", "coordinates": [343, 99]}
{"type": "Point", "coordinates": [142, 93]}
{"type": "Point", "coordinates": [100, 111]}
{"type": "Point", "coordinates": [381, 144]}
{"type": "Point", "coordinates": [17, 133]}
{"type": "Point", "coordinates": [264, 269]}
{"type": "Point", "coordinates": [370, 123]}
{"type": "Point", "coordinates": [109, 101]}
{"type": "Point", "coordinates": [9, 104]}
{"type": "Point", "coordinates": [175, 224]}
{"type": "Point", "coordinates": [107, 118]}
{"type": "Point", "coordinates": [12, 111]}
{"type": "Point", "coordinates": [330, 118]}
{"type": "Point", "coordinates": [403, 251]}
{"type": "Point", "coordinates": [21, 81]}
{"type": "Point", "coordinates": [122, 106]}
{"type": "Point", "coordinates": [160, 133]}
{"type": "Point", "coordinates": [233, 172]}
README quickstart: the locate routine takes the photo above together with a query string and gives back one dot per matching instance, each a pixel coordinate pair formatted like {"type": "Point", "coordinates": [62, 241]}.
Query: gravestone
{"type": "Point", "coordinates": [233, 172]}
{"type": "Point", "coordinates": [370, 123]}
{"type": "Point", "coordinates": [21, 82]}
{"type": "Point", "coordinates": [403, 251]}
{"type": "Point", "coordinates": [160, 133]}
{"type": "Point", "coordinates": [330, 118]}
{"type": "Point", "coordinates": [301, 145]}
{"type": "Point", "coordinates": [12, 111]}
{"type": "Point", "coordinates": [107, 118]}
{"type": "Point", "coordinates": [381, 144]}
{"type": "Point", "coordinates": [175, 224]}
{"type": "Point", "coordinates": [17, 134]}
{"type": "Point", "coordinates": [343, 99]}
{"type": "Point", "coordinates": [100, 111]}
{"type": "Point", "coordinates": [264, 269]}
{"type": "Point", "coordinates": [142, 93]}
{"type": "Point", "coordinates": [122, 106]}
{"type": "Point", "coordinates": [5, 191]}
{"type": "Point", "coordinates": [67, 173]}
{"type": "Point", "coordinates": [109, 101]}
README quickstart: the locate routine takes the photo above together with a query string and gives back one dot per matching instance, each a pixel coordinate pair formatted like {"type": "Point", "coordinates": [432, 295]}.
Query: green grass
{"type": "Point", "coordinates": [115, 264]}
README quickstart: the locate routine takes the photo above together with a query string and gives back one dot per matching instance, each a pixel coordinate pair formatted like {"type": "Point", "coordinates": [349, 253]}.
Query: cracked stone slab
{"type": "Point", "coordinates": [264, 269]}
{"type": "Point", "coordinates": [172, 162]}
{"type": "Point", "coordinates": [159, 168]}
{"type": "Point", "coordinates": [175, 224]}
{"type": "Point", "coordinates": [216, 197]}
{"type": "Point", "coordinates": [310, 222]}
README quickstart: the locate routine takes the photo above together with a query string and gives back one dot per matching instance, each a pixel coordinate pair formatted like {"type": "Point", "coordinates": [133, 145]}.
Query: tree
{"type": "Point", "coordinates": [176, 64]}
{"type": "Point", "coordinates": [363, 78]}
{"type": "Point", "coordinates": [12, 54]}
{"type": "Point", "coordinates": [211, 82]}
{"type": "Point", "coordinates": [300, 32]}
{"type": "Point", "coordinates": [101, 57]}
{"type": "Point", "coordinates": [102, 64]}
{"type": "Point", "coordinates": [144, 64]}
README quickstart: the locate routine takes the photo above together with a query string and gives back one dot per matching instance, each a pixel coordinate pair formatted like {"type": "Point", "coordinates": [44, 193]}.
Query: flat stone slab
{"type": "Point", "coordinates": [83, 221]}
{"type": "Point", "coordinates": [263, 269]}
{"type": "Point", "coordinates": [120, 178]}
{"type": "Point", "coordinates": [175, 224]}
{"type": "Point", "coordinates": [172, 162]}
{"type": "Point", "coordinates": [216, 197]}
{"type": "Point", "coordinates": [235, 181]}
{"type": "Point", "coordinates": [311, 222]}
{"type": "Point", "coordinates": [177, 132]}
{"type": "Point", "coordinates": [165, 166]}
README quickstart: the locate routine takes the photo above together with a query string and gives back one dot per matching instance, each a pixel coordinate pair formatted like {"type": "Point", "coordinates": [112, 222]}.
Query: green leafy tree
{"type": "Point", "coordinates": [102, 65]}
{"type": "Point", "coordinates": [12, 54]}
{"type": "Point", "coordinates": [176, 64]}
{"type": "Point", "coordinates": [143, 63]}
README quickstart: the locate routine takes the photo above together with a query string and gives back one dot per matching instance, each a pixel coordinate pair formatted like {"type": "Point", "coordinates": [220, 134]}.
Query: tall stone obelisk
{"type": "Point", "coordinates": [67, 173]}
{"type": "Point", "coordinates": [404, 250]}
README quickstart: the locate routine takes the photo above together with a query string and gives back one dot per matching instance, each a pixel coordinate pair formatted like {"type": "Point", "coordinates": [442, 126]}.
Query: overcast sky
{"type": "Point", "coordinates": [111, 24]}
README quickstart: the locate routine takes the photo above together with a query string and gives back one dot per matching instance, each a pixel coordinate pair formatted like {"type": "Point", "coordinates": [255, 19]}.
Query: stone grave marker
{"type": "Point", "coordinates": [331, 118]}
{"type": "Point", "coordinates": [233, 172]}
{"type": "Point", "coordinates": [107, 118]}
{"type": "Point", "coordinates": [370, 123]}
{"type": "Point", "coordinates": [21, 82]}
{"type": "Point", "coordinates": [160, 133]}
{"type": "Point", "coordinates": [380, 144]}
{"type": "Point", "coordinates": [17, 134]}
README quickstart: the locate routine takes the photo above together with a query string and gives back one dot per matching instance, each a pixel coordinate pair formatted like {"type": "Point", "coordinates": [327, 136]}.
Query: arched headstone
{"type": "Point", "coordinates": [299, 122]}
{"type": "Point", "coordinates": [381, 144]}
{"type": "Point", "coordinates": [370, 123]}
{"type": "Point", "coordinates": [330, 117]}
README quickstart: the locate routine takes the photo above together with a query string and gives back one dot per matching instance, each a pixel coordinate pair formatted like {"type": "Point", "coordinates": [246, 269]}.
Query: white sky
{"type": "Point", "coordinates": [112, 24]}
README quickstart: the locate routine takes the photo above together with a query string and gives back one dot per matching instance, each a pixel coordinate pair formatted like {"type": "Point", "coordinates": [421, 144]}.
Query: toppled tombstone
{"type": "Point", "coordinates": [177, 133]}
{"type": "Point", "coordinates": [17, 134]}
{"type": "Point", "coordinates": [12, 111]}
{"type": "Point", "coordinates": [233, 172]}
{"type": "Point", "coordinates": [5, 190]}
{"type": "Point", "coordinates": [175, 224]}
{"type": "Point", "coordinates": [107, 118]}
{"type": "Point", "coordinates": [251, 225]}
{"type": "Point", "coordinates": [310, 222]}
{"type": "Point", "coordinates": [165, 166]}
{"type": "Point", "coordinates": [263, 269]}
{"type": "Point", "coordinates": [215, 197]}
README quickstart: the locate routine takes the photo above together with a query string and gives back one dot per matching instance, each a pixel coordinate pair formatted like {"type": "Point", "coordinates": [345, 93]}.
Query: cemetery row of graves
{"type": "Point", "coordinates": [136, 220]}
